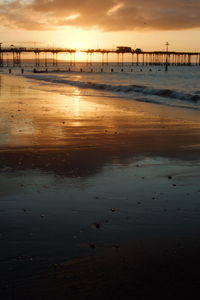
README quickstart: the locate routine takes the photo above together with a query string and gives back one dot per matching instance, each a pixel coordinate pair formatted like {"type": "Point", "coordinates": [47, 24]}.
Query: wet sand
{"type": "Point", "coordinates": [36, 122]}
{"type": "Point", "coordinates": [156, 269]}
{"type": "Point", "coordinates": [99, 196]}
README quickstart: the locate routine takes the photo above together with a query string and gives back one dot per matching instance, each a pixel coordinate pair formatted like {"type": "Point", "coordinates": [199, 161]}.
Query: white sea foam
{"type": "Point", "coordinates": [121, 88]}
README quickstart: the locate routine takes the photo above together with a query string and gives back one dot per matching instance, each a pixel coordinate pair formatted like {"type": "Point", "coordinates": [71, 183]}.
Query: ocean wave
{"type": "Point", "coordinates": [125, 89]}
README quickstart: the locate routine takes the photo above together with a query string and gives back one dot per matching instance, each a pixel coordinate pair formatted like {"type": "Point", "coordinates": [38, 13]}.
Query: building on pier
{"type": "Point", "coordinates": [123, 49]}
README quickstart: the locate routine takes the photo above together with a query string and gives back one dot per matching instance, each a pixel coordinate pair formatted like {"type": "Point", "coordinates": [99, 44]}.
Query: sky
{"type": "Point", "coordinates": [81, 24]}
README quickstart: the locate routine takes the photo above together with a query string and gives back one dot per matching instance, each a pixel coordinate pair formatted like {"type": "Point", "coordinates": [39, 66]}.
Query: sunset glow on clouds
{"type": "Point", "coordinates": [106, 22]}
{"type": "Point", "coordinates": [107, 15]}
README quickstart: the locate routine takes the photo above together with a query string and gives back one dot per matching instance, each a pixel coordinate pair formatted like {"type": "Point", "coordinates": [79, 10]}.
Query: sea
{"type": "Point", "coordinates": [177, 87]}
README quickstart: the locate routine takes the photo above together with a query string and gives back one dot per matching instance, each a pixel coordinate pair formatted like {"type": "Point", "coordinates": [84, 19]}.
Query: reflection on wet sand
{"type": "Point", "coordinates": [78, 135]}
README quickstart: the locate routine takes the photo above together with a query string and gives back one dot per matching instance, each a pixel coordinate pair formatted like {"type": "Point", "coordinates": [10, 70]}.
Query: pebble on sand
{"type": "Point", "coordinates": [113, 209]}
{"type": "Point", "coordinates": [98, 225]}
{"type": "Point", "coordinates": [116, 246]}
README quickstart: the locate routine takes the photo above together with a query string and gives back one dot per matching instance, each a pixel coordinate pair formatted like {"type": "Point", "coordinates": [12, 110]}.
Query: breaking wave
{"type": "Point", "coordinates": [123, 89]}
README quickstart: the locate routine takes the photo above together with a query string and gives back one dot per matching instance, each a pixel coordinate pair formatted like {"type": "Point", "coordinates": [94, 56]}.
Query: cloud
{"type": "Point", "coordinates": [107, 15]}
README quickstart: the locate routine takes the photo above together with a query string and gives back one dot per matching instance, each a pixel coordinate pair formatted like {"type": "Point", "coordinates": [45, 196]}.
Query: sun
{"type": "Point", "coordinates": [80, 56]}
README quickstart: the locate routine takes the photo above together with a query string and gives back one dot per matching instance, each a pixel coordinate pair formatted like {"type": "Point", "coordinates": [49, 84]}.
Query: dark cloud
{"type": "Point", "coordinates": [108, 15]}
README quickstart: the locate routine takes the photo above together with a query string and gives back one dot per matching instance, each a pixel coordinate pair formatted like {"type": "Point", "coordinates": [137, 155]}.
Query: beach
{"type": "Point", "coordinates": [99, 192]}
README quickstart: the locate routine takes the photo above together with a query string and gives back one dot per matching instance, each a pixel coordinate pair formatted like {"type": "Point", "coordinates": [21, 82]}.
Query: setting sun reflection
{"type": "Point", "coordinates": [81, 107]}
{"type": "Point", "coordinates": [76, 106]}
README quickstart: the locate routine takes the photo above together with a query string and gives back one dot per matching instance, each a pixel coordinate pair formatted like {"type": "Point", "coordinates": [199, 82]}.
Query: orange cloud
{"type": "Point", "coordinates": [108, 15]}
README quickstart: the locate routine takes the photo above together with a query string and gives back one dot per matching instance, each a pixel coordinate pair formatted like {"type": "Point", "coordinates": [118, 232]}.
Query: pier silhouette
{"type": "Point", "coordinates": [138, 56]}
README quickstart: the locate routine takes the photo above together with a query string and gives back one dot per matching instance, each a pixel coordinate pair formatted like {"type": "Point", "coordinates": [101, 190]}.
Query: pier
{"type": "Point", "coordinates": [12, 56]}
